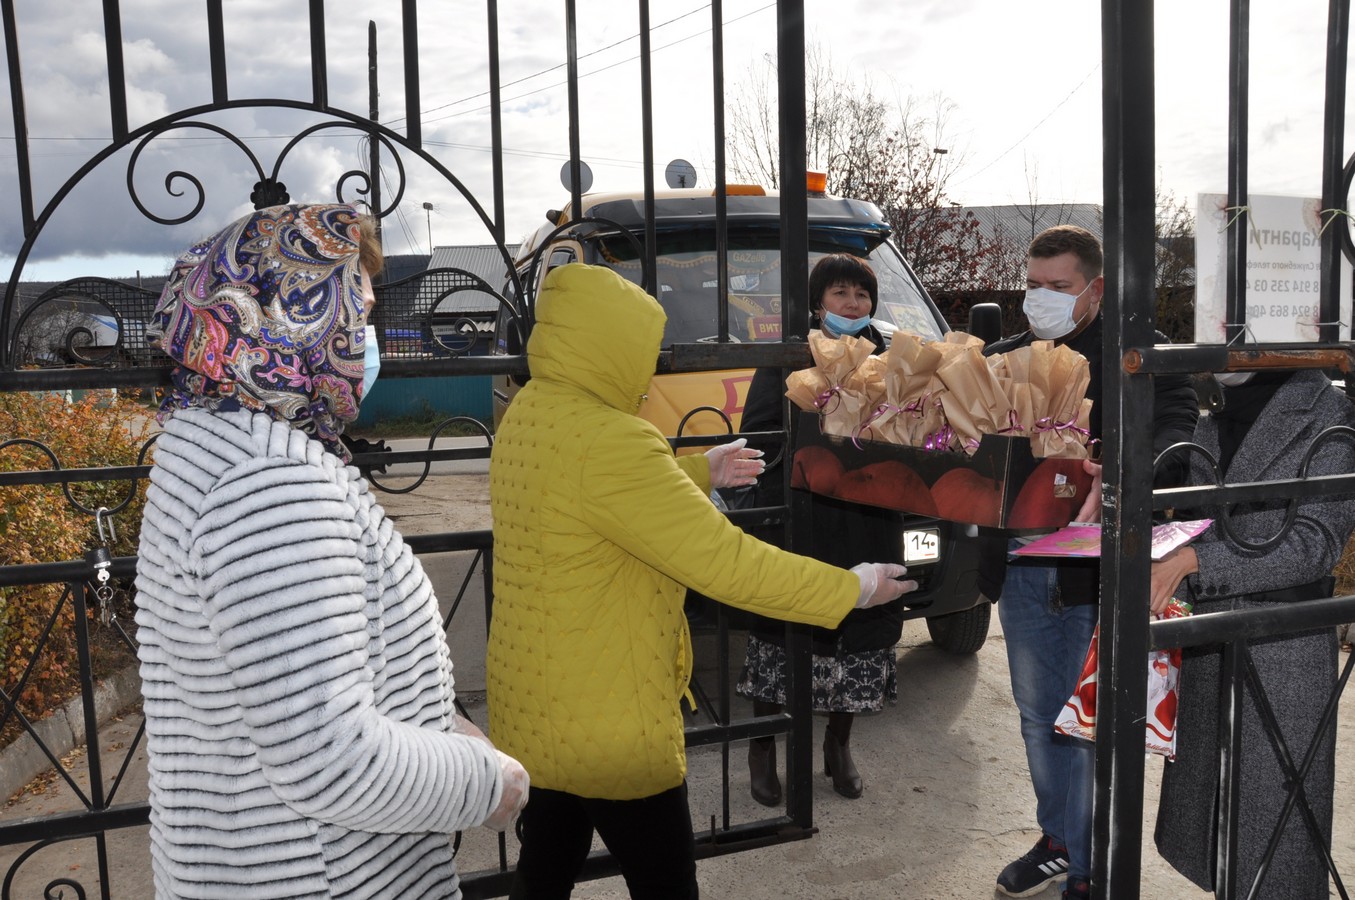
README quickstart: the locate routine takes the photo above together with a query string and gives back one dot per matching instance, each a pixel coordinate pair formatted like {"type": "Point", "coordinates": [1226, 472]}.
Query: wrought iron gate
{"type": "Point", "coordinates": [1128, 500]}
{"type": "Point", "coordinates": [408, 306]}
{"type": "Point", "coordinates": [1130, 360]}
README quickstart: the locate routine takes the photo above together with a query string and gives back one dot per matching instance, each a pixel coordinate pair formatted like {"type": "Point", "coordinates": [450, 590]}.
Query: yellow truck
{"type": "Point", "coordinates": [610, 231]}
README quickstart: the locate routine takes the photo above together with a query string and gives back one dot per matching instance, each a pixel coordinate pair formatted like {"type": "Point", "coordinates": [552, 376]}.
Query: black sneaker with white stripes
{"type": "Point", "coordinates": [1044, 864]}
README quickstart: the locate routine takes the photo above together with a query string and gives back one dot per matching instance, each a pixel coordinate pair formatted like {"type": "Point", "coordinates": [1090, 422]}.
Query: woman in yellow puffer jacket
{"type": "Point", "coordinates": [597, 529]}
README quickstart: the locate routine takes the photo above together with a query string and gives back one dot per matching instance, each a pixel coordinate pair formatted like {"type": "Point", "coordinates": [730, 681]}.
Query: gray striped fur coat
{"type": "Point", "coordinates": [298, 688]}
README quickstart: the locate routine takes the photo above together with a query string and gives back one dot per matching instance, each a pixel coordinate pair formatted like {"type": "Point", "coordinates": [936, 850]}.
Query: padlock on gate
{"type": "Point", "coordinates": [101, 560]}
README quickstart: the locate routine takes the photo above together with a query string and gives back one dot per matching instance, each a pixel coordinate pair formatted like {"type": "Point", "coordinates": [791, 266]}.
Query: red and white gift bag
{"type": "Point", "coordinates": [1078, 716]}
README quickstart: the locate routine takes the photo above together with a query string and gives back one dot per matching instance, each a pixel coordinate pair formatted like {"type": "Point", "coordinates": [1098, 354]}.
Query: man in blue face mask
{"type": "Point", "coordinates": [1048, 611]}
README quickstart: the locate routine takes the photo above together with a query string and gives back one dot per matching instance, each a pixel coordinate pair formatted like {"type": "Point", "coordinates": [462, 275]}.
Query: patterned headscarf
{"type": "Point", "coordinates": [266, 315]}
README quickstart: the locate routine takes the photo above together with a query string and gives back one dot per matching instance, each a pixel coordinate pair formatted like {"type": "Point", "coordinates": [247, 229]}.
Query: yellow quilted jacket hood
{"type": "Point", "coordinates": [597, 527]}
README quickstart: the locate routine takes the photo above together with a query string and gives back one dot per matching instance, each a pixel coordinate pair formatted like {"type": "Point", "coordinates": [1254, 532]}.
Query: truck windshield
{"type": "Point", "coordinates": [687, 280]}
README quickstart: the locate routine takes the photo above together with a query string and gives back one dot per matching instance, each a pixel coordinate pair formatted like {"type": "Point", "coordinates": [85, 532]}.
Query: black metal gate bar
{"type": "Point", "coordinates": [1333, 151]}
{"type": "Point", "coordinates": [717, 56]}
{"type": "Point", "coordinates": [1127, 401]}
{"type": "Point", "coordinates": [1239, 221]}
{"type": "Point", "coordinates": [572, 80]}
{"type": "Point", "coordinates": [80, 595]}
{"type": "Point", "coordinates": [790, 63]}
{"type": "Point", "coordinates": [495, 121]}
{"type": "Point", "coordinates": [319, 71]}
{"type": "Point", "coordinates": [409, 18]}
{"type": "Point", "coordinates": [1194, 497]}
{"type": "Point", "coordinates": [117, 80]}
{"type": "Point", "coordinates": [20, 116]}
{"type": "Point", "coordinates": [216, 51]}
{"type": "Point", "coordinates": [647, 146]}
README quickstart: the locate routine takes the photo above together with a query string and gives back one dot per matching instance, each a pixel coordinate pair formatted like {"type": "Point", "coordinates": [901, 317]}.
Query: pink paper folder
{"type": "Point", "coordinates": [1085, 539]}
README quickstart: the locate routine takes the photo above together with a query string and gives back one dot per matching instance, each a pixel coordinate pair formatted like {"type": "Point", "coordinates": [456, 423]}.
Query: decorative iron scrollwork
{"type": "Point", "coordinates": [269, 193]}
{"type": "Point", "coordinates": [269, 189]}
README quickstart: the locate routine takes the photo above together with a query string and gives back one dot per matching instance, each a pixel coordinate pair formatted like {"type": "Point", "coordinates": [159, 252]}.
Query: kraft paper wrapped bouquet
{"type": "Point", "coordinates": [945, 395]}
{"type": "Point", "coordinates": [911, 410]}
{"type": "Point", "coordinates": [975, 401]}
{"type": "Point", "coordinates": [843, 396]}
{"type": "Point", "coordinates": [1060, 410]}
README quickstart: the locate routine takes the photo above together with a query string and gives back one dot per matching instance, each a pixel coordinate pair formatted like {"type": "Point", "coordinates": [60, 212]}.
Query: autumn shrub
{"type": "Point", "coordinates": [39, 524]}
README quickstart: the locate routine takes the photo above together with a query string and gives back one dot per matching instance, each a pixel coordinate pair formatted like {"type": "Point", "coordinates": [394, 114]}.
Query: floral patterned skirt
{"type": "Point", "coordinates": [852, 682]}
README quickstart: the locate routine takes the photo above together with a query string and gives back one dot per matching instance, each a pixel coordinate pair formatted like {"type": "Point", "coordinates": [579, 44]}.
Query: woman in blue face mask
{"type": "Point", "coordinates": [854, 667]}
{"type": "Point", "coordinates": [845, 288]}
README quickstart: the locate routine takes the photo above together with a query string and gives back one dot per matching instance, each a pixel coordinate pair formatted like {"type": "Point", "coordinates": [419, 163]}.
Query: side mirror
{"type": "Point", "coordinates": [985, 322]}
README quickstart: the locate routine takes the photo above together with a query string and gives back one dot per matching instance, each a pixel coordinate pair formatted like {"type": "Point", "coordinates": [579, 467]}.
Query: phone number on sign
{"type": "Point", "coordinates": [1284, 285]}
{"type": "Point", "coordinates": [1281, 310]}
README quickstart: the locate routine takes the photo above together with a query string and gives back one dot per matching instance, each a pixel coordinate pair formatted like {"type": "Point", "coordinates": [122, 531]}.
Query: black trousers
{"type": "Point", "coordinates": [651, 839]}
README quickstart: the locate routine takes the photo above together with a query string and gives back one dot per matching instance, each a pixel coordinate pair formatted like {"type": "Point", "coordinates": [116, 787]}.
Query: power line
{"type": "Point", "coordinates": [584, 75]}
{"type": "Point", "coordinates": [400, 217]}
{"type": "Point", "coordinates": [1021, 140]}
{"type": "Point", "coordinates": [561, 65]}
{"type": "Point", "coordinates": [395, 121]}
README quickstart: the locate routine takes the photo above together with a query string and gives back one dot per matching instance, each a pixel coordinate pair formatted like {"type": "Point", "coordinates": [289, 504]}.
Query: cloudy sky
{"type": "Point", "coordinates": [1024, 80]}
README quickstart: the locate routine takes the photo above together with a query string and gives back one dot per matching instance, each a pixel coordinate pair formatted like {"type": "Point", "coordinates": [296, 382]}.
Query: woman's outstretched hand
{"type": "Point", "coordinates": [734, 464]}
{"type": "Point", "coordinates": [880, 584]}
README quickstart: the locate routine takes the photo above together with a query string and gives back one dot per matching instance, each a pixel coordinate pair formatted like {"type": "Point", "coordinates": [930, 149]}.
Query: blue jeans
{"type": "Point", "coordinates": [1046, 648]}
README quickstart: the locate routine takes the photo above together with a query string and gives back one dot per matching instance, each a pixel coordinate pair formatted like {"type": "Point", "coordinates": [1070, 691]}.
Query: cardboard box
{"type": "Point", "coordinates": [1001, 485]}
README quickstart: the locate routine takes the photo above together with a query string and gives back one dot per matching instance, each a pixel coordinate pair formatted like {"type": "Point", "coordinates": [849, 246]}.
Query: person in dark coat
{"type": "Point", "coordinates": [1264, 429]}
{"type": "Point", "coordinates": [1049, 608]}
{"type": "Point", "coordinates": [854, 668]}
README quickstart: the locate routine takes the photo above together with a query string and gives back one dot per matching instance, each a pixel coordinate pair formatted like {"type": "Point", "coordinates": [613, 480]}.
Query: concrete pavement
{"type": "Point", "coordinates": [947, 802]}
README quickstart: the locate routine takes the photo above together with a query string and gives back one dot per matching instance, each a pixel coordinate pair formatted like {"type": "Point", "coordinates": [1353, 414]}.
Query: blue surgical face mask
{"type": "Point", "coordinates": [371, 360]}
{"type": "Point", "coordinates": [843, 325]}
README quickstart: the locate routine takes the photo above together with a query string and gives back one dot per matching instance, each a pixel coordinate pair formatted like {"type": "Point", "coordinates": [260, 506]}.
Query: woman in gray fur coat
{"type": "Point", "coordinates": [1267, 424]}
{"type": "Point", "coordinates": [300, 716]}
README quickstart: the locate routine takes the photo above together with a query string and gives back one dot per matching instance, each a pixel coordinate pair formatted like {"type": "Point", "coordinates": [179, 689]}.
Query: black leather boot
{"type": "Point", "coordinates": [766, 783]}
{"type": "Point", "coordinates": [838, 764]}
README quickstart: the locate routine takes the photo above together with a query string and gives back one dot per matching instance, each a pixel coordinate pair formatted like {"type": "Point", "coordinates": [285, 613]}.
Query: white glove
{"type": "Point", "coordinates": [515, 786]}
{"type": "Point", "coordinates": [734, 464]}
{"type": "Point", "coordinates": [462, 725]}
{"type": "Point", "coordinates": [878, 584]}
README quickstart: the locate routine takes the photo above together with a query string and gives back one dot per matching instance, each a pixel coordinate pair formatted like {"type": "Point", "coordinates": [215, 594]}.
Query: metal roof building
{"type": "Point", "coordinates": [481, 260]}
{"type": "Point", "coordinates": [1019, 223]}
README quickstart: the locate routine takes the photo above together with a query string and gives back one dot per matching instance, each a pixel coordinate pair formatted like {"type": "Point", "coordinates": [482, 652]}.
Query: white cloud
{"type": "Point", "coordinates": [1026, 84]}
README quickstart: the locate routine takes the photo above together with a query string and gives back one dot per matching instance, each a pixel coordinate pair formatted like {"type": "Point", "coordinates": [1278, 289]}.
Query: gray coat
{"type": "Point", "coordinates": [1297, 671]}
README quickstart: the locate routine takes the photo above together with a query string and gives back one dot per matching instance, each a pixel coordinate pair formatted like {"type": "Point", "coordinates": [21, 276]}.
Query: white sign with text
{"type": "Point", "coordinates": [1283, 268]}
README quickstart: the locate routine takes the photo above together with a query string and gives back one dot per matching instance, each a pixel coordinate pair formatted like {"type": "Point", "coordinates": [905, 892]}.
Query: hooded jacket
{"type": "Point", "coordinates": [597, 528]}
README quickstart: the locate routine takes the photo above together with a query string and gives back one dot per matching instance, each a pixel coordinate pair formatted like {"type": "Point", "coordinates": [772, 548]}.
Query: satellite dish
{"type": "Point", "coordinates": [585, 177]}
{"type": "Point", "coordinates": [680, 174]}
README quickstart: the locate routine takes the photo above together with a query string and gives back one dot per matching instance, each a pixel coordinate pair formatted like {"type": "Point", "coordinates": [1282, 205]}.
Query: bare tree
{"type": "Point", "coordinates": [895, 155]}
{"type": "Point", "coordinates": [61, 331]}
{"type": "Point", "coordinates": [1174, 277]}
{"type": "Point", "coordinates": [751, 127]}
{"type": "Point", "coordinates": [1038, 216]}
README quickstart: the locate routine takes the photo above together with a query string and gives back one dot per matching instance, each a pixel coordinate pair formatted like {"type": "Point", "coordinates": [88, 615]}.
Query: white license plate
{"type": "Point", "coordinates": [921, 546]}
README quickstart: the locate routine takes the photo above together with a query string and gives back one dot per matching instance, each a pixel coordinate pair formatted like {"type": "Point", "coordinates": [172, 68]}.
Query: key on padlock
{"type": "Point", "coordinates": [103, 596]}
{"type": "Point", "coordinates": [101, 560]}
